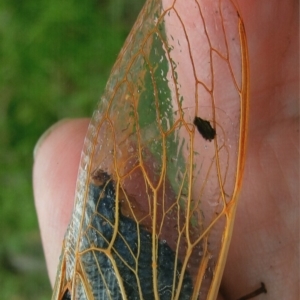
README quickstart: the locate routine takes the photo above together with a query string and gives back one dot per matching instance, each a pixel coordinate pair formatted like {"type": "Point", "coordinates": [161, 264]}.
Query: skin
{"type": "Point", "coordinates": [265, 240]}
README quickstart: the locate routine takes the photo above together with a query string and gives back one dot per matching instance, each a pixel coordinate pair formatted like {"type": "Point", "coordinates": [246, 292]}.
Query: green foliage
{"type": "Point", "coordinates": [55, 58]}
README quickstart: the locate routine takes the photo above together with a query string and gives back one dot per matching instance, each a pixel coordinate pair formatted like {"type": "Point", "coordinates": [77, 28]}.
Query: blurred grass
{"type": "Point", "coordinates": [55, 58]}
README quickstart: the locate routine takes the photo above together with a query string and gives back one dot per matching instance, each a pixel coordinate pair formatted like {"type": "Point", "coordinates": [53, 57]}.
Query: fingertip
{"type": "Point", "coordinates": [46, 134]}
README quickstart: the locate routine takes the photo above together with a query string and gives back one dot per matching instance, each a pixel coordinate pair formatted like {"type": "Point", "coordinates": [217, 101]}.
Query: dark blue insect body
{"type": "Point", "coordinates": [131, 252]}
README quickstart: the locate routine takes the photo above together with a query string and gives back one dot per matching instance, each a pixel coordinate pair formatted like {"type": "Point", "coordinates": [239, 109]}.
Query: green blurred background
{"type": "Point", "coordinates": [55, 58]}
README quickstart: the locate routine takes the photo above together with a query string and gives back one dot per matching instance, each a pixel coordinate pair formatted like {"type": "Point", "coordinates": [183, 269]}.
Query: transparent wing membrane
{"type": "Point", "coordinates": [162, 162]}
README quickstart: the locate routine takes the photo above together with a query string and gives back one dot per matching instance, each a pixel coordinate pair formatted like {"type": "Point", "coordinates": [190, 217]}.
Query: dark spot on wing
{"type": "Point", "coordinates": [99, 177]}
{"type": "Point", "coordinates": [205, 129]}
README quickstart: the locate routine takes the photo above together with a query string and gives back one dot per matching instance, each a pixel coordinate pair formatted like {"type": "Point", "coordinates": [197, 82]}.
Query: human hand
{"type": "Point", "coordinates": [265, 239]}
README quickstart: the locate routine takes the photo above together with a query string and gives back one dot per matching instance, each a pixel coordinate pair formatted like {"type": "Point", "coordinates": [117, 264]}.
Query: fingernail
{"type": "Point", "coordinates": [45, 135]}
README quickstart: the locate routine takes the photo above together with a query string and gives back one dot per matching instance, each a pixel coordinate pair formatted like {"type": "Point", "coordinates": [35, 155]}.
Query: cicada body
{"type": "Point", "coordinates": [162, 162]}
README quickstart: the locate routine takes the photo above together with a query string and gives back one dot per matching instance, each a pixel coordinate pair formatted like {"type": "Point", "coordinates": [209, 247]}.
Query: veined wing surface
{"type": "Point", "coordinates": [163, 160]}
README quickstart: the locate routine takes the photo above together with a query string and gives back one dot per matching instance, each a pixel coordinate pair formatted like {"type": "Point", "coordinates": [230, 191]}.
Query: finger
{"type": "Point", "coordinates": [54, 179]}
{"type": "Point", "coordinates": [263, 247]}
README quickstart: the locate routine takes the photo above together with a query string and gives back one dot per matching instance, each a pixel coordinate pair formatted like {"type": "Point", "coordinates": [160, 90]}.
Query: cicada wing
{"type": "Point", "coordinates": [157, 192]}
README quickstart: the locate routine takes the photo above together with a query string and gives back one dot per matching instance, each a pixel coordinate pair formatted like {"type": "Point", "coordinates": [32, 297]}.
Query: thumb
{"type": "Point", "coordinates": [57, 156]}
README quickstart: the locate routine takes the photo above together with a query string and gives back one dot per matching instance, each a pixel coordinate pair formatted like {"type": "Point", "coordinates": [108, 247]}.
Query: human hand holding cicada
{"type": "Point", "coordinates": [265, 237]}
